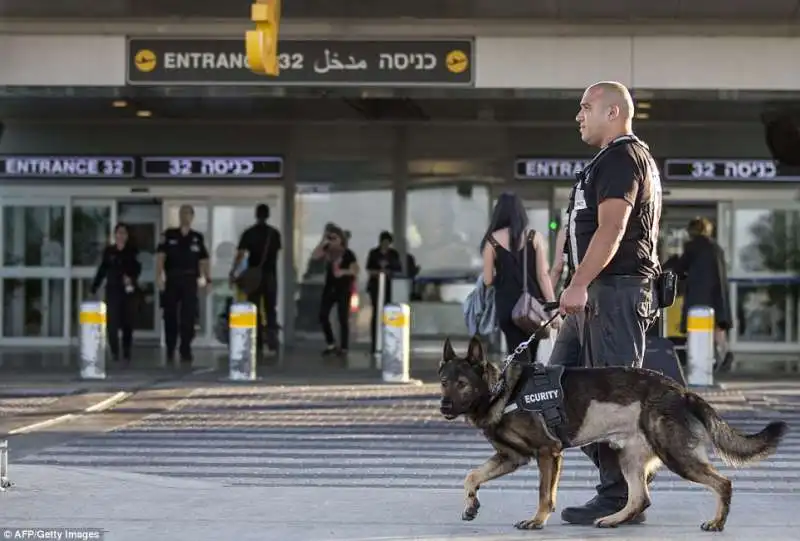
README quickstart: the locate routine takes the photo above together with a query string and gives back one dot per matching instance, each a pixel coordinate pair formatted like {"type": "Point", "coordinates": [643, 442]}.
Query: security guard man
{"type": "Point", "coordinates": [611, 243]}
{"type": "Point", "coordinates": [181, 268]}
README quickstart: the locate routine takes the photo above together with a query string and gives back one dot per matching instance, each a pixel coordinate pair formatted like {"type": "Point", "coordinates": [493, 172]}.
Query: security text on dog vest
{"type": "Point", "coordinates": [541, 397]}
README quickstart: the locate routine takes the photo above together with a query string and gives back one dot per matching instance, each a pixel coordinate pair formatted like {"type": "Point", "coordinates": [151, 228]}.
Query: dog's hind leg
{"type": "Point", "coordinates": [694, 465]}
{"type": "Point", "coordinates": [635, 459]}
{"type": "Point", "coordinates": [683, 450]}
{"type": "Point", "coordinates": [549, 472]}
{"type": "Point", "coordinates": [497, 466]}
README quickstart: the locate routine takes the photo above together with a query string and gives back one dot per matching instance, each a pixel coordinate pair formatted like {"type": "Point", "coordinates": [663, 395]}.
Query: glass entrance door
{"type": "Point", "coordinates": [765, 277]}
{"type": "Point", "coordinates": [92, 224]}
{"type": "Point", "coordinates": [34, 271]}
{"type": "Point", "coordinates": [143, 219]}
{"type": "Point", "coordinates": [228, 220]}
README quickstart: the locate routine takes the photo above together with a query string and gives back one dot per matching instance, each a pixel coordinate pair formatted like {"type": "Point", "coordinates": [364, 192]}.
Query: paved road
{"type": "Point", "coordinates": [367, 436]}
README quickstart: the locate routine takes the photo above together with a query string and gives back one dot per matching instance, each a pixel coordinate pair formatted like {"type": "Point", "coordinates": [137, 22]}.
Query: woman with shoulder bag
{"type": "Point", "coordinates": [515, 262]}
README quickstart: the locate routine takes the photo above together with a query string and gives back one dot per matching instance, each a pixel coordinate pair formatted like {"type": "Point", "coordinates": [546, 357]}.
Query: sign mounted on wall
{"type": "Point", "coordinates": [66, 167]}
{"type": "Point", "coordinates": [223, 61]}
{"type": "Point", "coordinates": [212, 167]}
{"type": "Point", "coordinates": [730, 169]}
{"type": "Point", "coordinates": [549, 168]}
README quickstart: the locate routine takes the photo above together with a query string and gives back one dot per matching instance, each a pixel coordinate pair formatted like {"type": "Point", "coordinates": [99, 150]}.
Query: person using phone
{"type": "Point", "coordinates": [341, 270]}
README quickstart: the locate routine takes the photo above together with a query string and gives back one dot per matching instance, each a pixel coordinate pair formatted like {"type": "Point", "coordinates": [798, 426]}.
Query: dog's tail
{"type": "Point", "coordinates": [734, 447]}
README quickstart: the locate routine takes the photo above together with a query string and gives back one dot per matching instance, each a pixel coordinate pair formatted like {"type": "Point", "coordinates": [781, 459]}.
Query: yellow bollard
{"type": "Point", "coordinates": [261, 44]}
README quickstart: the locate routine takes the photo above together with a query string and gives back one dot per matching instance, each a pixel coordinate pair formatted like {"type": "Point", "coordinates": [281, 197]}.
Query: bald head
{"type": "Point", "coordinates": [606, 113]}
{"type": "Point", "coordinates": [616, 94]}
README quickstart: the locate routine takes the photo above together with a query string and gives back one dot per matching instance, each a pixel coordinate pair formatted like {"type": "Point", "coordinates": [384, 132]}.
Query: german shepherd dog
{"type": "Point", "coordinates": [647, 417]}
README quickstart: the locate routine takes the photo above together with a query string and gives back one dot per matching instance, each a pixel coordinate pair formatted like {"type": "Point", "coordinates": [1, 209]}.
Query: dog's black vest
{"type": "Point", "coordinates": [540, 391]}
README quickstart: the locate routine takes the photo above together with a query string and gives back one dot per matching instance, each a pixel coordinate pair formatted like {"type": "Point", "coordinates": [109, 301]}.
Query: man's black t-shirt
{"type": "Point", "coordinates": [342, 283]}
{"type": "Point", "coordinates": [625, 171]}
{"type": "Point", "coordinates": [254, 240]}
{"type": "Point", "coordinates": [388, 262]}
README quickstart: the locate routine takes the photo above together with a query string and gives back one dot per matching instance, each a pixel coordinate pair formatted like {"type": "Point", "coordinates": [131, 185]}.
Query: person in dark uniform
{"type": "Point", "coordinates": [120, 268]}
{"type": "Point", "coordinates": [181, 269]}
{"type": "Point", "coordinates": [382, 258]}
{"type": "Point", "coordinates": [612, 248]}
{"type": "Point", "coordinates": [341, 270]}
{"type": "Point", "coordinates": [253, 242]}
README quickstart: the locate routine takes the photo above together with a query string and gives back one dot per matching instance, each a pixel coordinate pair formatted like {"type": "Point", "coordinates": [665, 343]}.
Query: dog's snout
{"type": "Point", "coordinates": [446, 405]}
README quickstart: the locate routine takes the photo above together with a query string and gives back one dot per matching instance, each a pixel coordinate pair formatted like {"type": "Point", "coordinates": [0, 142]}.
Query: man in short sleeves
{"type": "Point", "coordinates": [612, 235]}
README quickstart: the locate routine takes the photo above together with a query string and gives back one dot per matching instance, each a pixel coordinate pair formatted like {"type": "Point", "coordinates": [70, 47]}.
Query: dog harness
{"type": "Point", "coordinates": [541, 392]}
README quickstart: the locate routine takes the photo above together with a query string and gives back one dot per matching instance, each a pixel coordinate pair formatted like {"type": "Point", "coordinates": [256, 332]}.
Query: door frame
{"type": "Point", "coordinates": [41, 273]}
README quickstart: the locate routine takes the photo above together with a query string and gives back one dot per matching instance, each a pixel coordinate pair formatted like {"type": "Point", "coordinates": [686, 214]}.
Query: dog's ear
{"type": "Point", "coordinates": [475, 351]}
{"type": "Point", "coordinates": [448, 353]}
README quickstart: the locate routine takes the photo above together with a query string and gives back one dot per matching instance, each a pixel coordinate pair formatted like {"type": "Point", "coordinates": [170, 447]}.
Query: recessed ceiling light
{"type": "Point", "coordinates": [642, 116]}
{"type": "Point", "coordinates": [643, 105]}
{"type": "Point", "coordinates": [144, 114]}
{"type": "Point", "coordinates": [119, 103]}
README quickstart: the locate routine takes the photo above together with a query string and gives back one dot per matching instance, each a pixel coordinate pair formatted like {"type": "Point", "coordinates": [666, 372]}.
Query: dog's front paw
{"type": "Point", "coordinates": [712, 526]}
{"type": "Point", "coordinates": [532, 524]}
{"type": "Point", "coordinates": [471, 510]}
{"type": "Point", "coordinates": [606, 522]}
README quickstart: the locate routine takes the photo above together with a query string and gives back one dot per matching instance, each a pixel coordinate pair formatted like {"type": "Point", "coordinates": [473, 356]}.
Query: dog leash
{"type": "Point", "coordinates": [512, 357]}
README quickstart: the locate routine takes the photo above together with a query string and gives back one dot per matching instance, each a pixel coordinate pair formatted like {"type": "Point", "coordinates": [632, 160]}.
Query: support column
{"type": "Point", "coordinates": [400, 190]}
{"type": "Point", "coordinates": [289, 286]}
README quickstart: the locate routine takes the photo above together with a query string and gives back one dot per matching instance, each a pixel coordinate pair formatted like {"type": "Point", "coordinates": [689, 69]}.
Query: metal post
{"type": "Point", "coordinates": [93, 340]}
{"type": "Point", "coordinates": [396, 353]}
{"type": "Point", "coordinates": [700, 345]}
{"type": "Point", "coordinates": [379, 320]}
{"type": "Point", "coordinates": [4, 482]}
{"type": "Point", "coordinates": [242, 342]}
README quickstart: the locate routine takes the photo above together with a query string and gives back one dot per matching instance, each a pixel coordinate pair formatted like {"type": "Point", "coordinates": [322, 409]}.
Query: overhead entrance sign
{"type": "Point", "coordinates": [549, 168]}
{"type": "Point", "coordinates": [212, 167]}
{"type": "Point", "coordinates": [223, 61]}
{"type": "Point", "coordinates": [46, 167]}
{"type": "Point", "coordinates": [733, 170]}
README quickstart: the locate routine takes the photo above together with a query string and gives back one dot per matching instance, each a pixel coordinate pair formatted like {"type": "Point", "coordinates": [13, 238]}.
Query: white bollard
{"type": "Point", "coordinates": [700, 345]}
{"type": "Point", "coordinates": [93, 340]}
{"type": "Point", "coordinates": [4, 481]}
{"type": "Point", "coordinates": [242, 323]}
{"type": "Point", "coordinates": [396, 351]}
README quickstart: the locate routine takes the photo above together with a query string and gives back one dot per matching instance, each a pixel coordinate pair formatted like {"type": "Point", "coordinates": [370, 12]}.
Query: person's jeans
{"type": "Point", "coordinates": [610, 333]}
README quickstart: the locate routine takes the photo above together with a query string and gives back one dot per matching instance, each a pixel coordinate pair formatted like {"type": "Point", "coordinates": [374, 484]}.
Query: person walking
{"type": "Point", "coordinates": [611, 244]}
{"type": "Point", "coordinates": [181, 270]}
{"type": "Point", "coordinates": [702, 265]}
{"type": "Point", "coordinates": [261, 244]}
{"type": "Point", "coordinates": [120, 269]}
{"type": "Point", "coordinates": [514, 258]}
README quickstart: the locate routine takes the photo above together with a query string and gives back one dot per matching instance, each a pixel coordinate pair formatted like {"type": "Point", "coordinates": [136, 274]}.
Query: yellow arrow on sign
{"type": "Point", "coordinates": [261, 44]}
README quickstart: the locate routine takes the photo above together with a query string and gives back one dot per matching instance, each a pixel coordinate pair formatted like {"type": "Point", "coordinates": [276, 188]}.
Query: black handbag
{"type": "Point", "coordinates": [528, 314]}
{"type": "Point", "coordinates": [250, 279]}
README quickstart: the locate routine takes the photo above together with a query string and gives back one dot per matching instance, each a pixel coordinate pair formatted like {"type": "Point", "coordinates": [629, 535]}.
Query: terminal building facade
{"type": "Point", "coordinates": [405, 118]}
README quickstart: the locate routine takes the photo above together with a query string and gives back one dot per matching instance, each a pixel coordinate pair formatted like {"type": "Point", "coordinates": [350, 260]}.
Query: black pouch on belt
{"type": "Point", "coordinates": [666, 289]}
